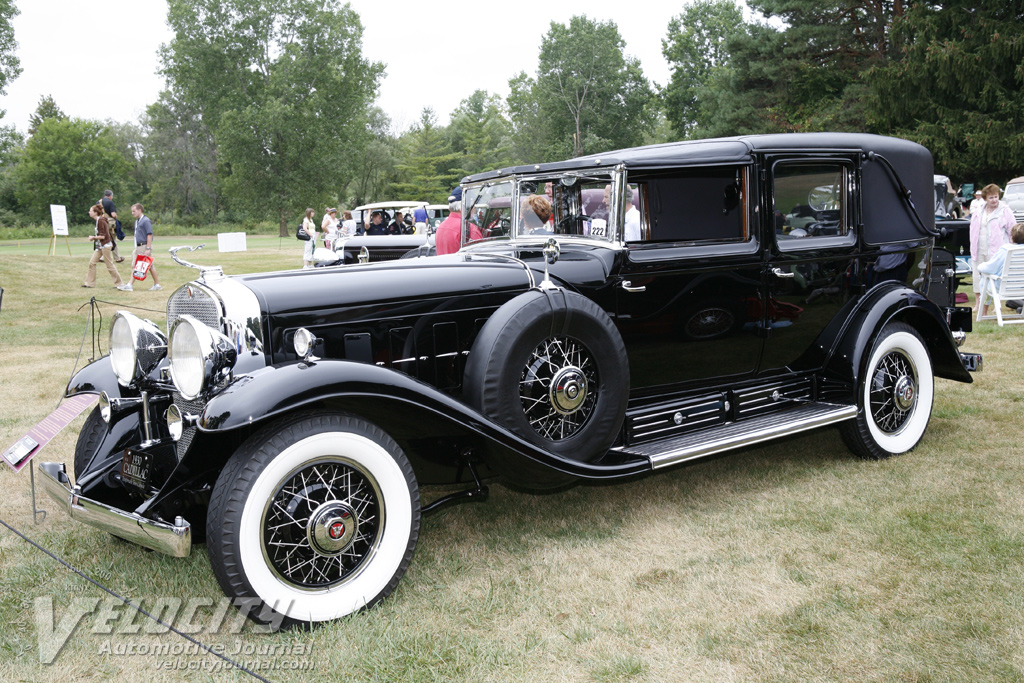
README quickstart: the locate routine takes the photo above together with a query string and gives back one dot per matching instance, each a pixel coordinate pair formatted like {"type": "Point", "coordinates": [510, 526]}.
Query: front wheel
{"type": "Point", "coordinates": [315, 518]}
{"type": "Point", "coordinates": [894, 396]}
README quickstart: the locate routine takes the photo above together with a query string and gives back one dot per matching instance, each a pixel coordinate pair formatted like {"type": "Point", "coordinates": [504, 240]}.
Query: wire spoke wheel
{"type": "Point", "coordinates": [558, 388]}
{"type": "Point", "coordinates": [893, 393]}
{"type": "Point", "coordinates": [322, 525]}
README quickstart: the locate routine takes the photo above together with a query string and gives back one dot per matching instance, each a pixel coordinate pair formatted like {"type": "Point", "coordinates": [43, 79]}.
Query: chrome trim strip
{"type": "Point", "coordinates": [738, 434]}
{"type": "Point", "coordinates": [171, 539]}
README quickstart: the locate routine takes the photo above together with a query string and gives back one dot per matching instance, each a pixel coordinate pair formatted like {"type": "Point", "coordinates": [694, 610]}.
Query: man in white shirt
{"type": "Point", "coordinates": [978, 203]}
{"type": "Point", "coordinates": [632, 218]}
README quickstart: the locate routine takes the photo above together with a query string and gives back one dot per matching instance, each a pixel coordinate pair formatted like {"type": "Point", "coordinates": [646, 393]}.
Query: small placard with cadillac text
{"type": "Point", "coordinates": [19, 455]}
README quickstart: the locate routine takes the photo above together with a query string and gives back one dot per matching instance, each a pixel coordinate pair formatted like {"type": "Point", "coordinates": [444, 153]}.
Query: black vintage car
{"type": "Point", "coordinates": [292, 420]}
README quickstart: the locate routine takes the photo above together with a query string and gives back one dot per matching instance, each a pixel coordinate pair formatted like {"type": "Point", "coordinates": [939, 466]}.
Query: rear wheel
{"type": "Point", "coordinates": [894, 396]}
{"type": "Point", "coordinates": [315, 518]}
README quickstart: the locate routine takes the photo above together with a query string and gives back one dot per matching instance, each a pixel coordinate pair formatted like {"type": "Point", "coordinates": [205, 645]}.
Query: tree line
{"type": "Point", "coordinates": [270, 107]}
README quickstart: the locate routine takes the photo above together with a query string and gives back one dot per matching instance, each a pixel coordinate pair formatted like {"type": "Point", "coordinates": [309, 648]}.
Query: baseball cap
{"type": "Point", "coordinates": [456, 195]}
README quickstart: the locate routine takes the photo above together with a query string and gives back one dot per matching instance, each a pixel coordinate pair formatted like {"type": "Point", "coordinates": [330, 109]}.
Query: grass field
{"type": "Point", "coordinates": [791, 561]}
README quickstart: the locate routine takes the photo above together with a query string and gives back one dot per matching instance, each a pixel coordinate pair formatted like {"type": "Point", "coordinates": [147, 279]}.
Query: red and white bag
{"type": "Point", "coordinates": [141, 266]}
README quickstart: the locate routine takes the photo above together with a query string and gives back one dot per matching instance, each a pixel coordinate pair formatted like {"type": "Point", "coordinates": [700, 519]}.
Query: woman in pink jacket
{"type": "Point", "coordinates": [990, 229]}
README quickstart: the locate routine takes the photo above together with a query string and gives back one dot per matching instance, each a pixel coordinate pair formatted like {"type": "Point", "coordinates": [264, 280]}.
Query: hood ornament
{"type": "Point", "coordinates": [551, 252]}
{"type": "Point", "coordinates": [204, 271]}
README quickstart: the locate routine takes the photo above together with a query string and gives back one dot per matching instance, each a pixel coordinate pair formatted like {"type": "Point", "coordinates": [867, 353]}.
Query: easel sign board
{"type": "Point", "coordinates": [59, 218]}
{"type": "Point", "coordinates": [18, 455]}
{"type": "Point", "coordinates": [231, 241]}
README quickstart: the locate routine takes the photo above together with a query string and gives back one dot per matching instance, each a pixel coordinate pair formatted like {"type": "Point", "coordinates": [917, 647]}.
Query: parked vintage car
{"type": "Point", "coordinates": [356, 248]}
{"type": "Point", "coordinates": [294, 420]}
{"type": "Point", "coordinates": [1014, 196]}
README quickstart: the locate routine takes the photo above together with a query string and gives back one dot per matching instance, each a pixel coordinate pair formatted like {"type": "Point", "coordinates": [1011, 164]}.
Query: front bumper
{"type": "Point", "coordinates": [170, 539]}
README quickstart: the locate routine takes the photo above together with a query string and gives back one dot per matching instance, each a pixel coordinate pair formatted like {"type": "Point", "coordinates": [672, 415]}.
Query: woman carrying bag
{"type": "Point", "coordinates": [103, 242]}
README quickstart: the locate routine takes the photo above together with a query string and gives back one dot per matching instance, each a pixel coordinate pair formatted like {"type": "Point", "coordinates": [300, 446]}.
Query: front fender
{"type": "Point", "coordinates": [893, 302]}
{"type": "Point", "coordinates": [93, 378]}
{"type": "Point", "coordinates": [397, 403]}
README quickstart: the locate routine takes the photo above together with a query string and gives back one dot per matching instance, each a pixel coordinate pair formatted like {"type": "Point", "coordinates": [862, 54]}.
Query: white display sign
{"type": "Point", "coordinates": [59, 217]}
{"type": "Point", "coordinates": [231, 241]}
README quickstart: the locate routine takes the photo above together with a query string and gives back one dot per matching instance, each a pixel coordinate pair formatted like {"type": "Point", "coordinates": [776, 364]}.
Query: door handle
{"type": "Point", "coordinates": [628, 286]}
{"type": "Point", "coordinates": [779, 272]}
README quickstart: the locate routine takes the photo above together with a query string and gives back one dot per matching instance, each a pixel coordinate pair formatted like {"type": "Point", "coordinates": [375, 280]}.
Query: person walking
{"type": "Point", "coordinates": [307, 249]}
{"type": "Point", "coordinates": [102, 240]}
{"type": "Point", "coordinates": [144, 243]}
{"type": "Point", "coordinates": [990, 229]}
{"type": "Point", "coordinates": [111, 211]}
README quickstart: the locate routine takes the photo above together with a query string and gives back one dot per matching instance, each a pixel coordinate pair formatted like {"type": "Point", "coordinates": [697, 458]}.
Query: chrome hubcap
{"type": "Point", "coordinates": [557, 388]}
{"type": "Point", "coordinates": [905, 393]}
{"type": "Point", "coordinates": [332, 528]}
{"type": "Point", "coordinates": [568, 390]}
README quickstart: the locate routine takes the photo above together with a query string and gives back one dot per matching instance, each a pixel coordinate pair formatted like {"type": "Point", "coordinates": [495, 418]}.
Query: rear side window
{"type": "Point", "coordinates": [810, 199]}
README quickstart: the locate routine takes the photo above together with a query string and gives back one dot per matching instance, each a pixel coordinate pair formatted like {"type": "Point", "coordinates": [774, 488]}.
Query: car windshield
{"type": "Point", "coordinates": [570, 205]}
{"type": "Point", "coordinates": [1014, 189]}
{"type": "Point", "coordinates": [487, 211]}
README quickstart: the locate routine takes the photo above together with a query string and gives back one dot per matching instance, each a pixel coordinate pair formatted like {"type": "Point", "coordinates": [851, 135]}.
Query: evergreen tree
{"type": "Point", "coordinates": [47, 109]}
{"type": "Point", "coordinates": [955, 83]}
{"type": "Point", "coordinates": [430, 169]}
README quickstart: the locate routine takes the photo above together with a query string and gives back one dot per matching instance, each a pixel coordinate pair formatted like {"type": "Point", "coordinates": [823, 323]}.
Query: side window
{"type": "Point", "coordinates": [809, 200]}
{"type": "Point", "coordinates": [692, 206]}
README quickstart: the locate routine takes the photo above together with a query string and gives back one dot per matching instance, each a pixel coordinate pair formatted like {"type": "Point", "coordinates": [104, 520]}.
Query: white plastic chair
{"type": "Point", "coordinates": [997, 289]}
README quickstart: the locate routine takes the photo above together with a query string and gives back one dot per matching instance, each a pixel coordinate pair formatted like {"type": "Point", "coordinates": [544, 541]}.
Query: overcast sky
{"type": "Point", "coordinates": [65, 51]}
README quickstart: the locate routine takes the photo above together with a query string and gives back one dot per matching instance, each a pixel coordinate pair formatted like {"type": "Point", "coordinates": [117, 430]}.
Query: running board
{"type": "Point", "coordinates": [738, 434]}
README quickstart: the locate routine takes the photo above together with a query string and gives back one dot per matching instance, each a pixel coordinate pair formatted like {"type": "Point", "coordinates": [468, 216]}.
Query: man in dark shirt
{"type": "Point", "coordinates": [111, 210]}
{"type": "Point", "coordinates": [376, 226]}
{"type": "Point", "coordinates": [397, 226]}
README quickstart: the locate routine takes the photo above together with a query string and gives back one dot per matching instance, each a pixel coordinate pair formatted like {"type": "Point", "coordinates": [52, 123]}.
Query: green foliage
{"type": "Point", "coordinates": [69, 162]}
{"type": "Point", "coordinates": [372, 165]}
{"type": "Point", "coordinates": [47, 109]}
{"type": "Point", "coordinates": [695, 48]}
{"type": "Point", "coordinates": [964, 64]}
{"type": "Point", "coordinates": [10, 65]}
{"type": "Point", "coordinates": [532, 133]}
{"type": "Point", "coordinates": [480, 132]}
{"type": "Point", "coordinates": [806, 75]}
{"type": "Point", "coordinates": [431, 167]}
{"type": "Point", "coordinates": [590, 96]}
{"type": "Point", "coordinates": [181, 160]}
{"type": "Point", "coordinates": [284, 90]}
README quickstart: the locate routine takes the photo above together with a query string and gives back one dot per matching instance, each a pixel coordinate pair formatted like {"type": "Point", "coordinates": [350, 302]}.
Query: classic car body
{"type": "Point", "coordinates": [1013, 195]}
{"type": "Point", "coordinates": [291, 418]}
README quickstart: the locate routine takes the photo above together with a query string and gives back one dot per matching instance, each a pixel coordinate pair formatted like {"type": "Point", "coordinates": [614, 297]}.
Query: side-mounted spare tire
{"type": "Point", "coordinates": [551, 366]}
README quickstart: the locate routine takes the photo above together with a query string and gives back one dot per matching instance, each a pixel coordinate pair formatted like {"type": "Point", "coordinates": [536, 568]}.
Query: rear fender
{"type": "Point", "coordinates": [893, 302]}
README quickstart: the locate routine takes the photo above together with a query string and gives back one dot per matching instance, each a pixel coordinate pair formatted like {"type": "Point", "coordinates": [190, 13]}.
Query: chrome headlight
{"type": "Point", "coordinates": [136, 347]}
{"type": "Point", "coordinates": [305, 342]}
{"type": "Point", "coordinates": [198, 356]}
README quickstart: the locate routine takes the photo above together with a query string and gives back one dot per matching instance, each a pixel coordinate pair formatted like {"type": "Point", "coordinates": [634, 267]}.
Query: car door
{"type": "Point", "coordinates": [690, 290]}
{"type": "Point", "coordinates": [812, 269]}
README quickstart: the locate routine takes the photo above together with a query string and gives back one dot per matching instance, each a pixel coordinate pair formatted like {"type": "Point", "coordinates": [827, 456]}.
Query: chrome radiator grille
{"type": "Point", "coordinates": [194, 301]}
{"type": "Point", "coordinates": [186, 408]}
